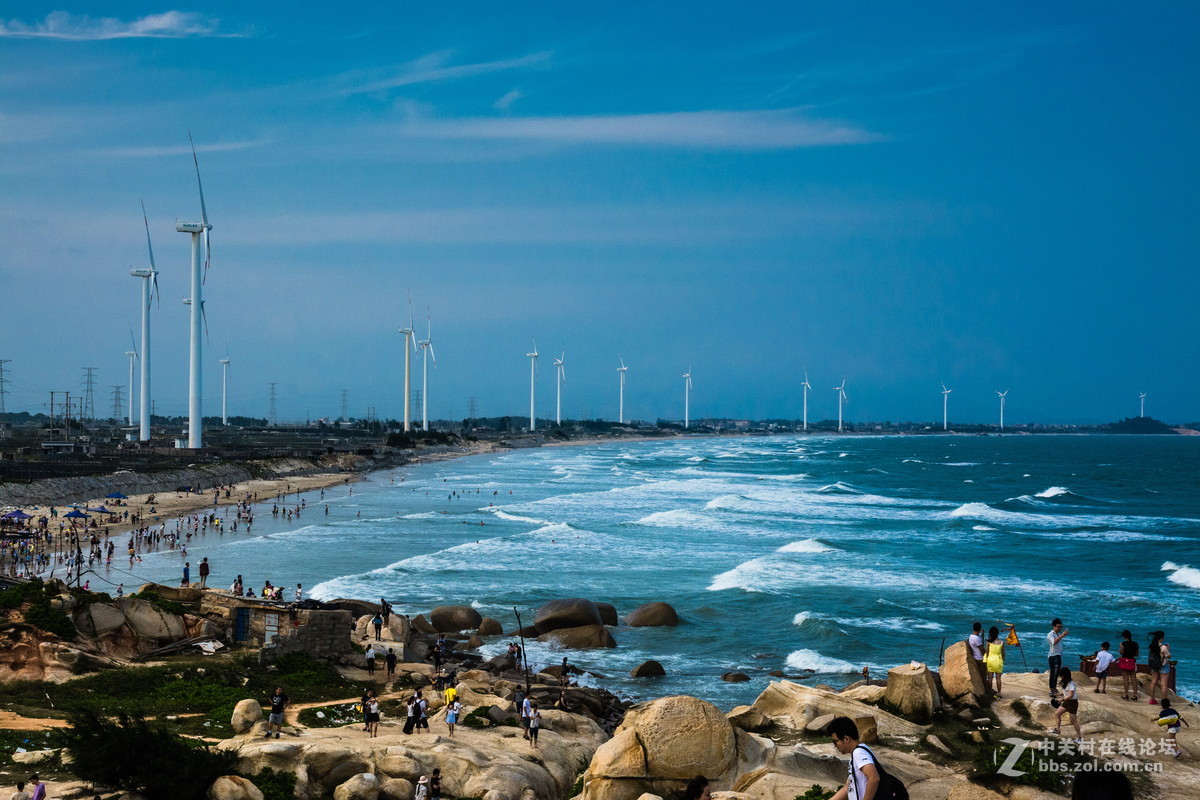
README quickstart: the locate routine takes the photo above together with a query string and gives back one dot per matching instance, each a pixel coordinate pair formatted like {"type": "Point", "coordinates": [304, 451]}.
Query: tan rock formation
{"type": "Point", "coordinates": [911, 689]}
{"type": "Point", "coordinates": [234, 787]}
{"type": "Point", "coordinates": [959, 675]}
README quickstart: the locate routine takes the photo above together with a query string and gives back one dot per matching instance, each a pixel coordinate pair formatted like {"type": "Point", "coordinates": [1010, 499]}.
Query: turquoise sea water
{"type": "Point", "coordinates": [792, 553]}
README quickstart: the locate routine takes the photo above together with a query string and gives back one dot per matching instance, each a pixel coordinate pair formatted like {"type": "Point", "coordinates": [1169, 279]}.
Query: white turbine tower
{"type": "Point", "coordinates": [225, 390]}
{"type": "Point", "coordinates": [149, 287]}
{"type": "Point", "coordinates": [946, 407]}
{"type": "Point", "coordinates": [806, 386]}
{"type": "Point", "coordinates": [841, 390]}
{"type": "Point", "coordinates": [532, 374]}
{"type": "Point", "coordinates": [199, 231]}
{"type": "Point", "coordinates": [426, 346]}
{"type": "Point", "coordinates": [621, 370]}
{"type": "Point", "coordinates": [132, 358]}
{"type": "Point", "coordinates": [687, 397]}
{"type": "Point", "coordinates": [1002, 395]}
{"type": "Point", "coordinates": [1142, 398]}
{"type": "Point", "coordinates": [410, 346]}
{"type": "Point", "coordinates": [562, 378]}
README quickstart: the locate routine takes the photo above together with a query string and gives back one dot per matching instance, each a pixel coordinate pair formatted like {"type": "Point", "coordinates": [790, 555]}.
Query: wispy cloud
{"type": "Point", "coordinates": [80, 27]}
{"type": "Point", "coordinates": [429, 69]}
{"type": "Point", "coordinates": [506, 102]}
{"type": "Point", "coordinates": [743, 130]}
{"type": "Point", "coordinates": [178, 150]}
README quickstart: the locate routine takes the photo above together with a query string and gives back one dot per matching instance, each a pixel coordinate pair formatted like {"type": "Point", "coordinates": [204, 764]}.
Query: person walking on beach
{"type": "Point", "coordinates": [370, 659]}
{"type": "Point", "coordinates": [1127, 663]}
{"type": "Point", "coordinates": [1104, 660]}
{"type": "Point", "coordinates": [994, 659]}
{"type": "Point", "coordinates": [1169, 718]}
{"type": "Point", "coordinates": [975, 645]}
{"type": "Point", "coordinates": [1159, 657]}
{"type": "Point", "coordinates": [204, 569]}
{"type": "Point", "coordinates": [1054, 640]}
{"type": "Point", "coordinates": [1068, 704]}
{"type": "Point", "coordinates": [279, 701]}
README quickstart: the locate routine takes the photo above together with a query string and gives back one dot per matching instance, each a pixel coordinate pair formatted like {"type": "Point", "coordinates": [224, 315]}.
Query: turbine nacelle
{"type": "Point", "coordinates": [192, 227]}
{"type": "Point", "coordinates": [141, 273]}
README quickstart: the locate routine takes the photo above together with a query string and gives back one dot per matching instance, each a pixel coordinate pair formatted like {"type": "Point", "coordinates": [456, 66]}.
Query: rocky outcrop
{"type": "Point", "coordinates": [961, 679]}
{"type": "Point", "coordinates": [451, 619]}
{"type": "Point", "coordinates": [575, 612]}
{"type": "Point", "coordinates": [657, 614]}
{"type": "Point", "coordinates": [363, 786]}
{"type": "Point", "coordinates": [489, 627]}
{"type": "Point", "coordinates": [582, 638]}
{"type": "Point", "coordinates": [648, 669]}
{"type": "Point", "coordinates": [608, 614]}
{"type": "Point", "coordinates": [793, 706]}
{"type": "Point", "coordinates": [912, 690]}
{"type": "Point", "coordinates": [422, 625]}
{"type": "Point", "coordinates": [234, 787]}
{"type": "Point", "coordinates": [246, 714]}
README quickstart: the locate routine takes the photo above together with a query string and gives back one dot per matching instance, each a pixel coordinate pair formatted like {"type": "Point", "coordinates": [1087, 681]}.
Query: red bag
{"type": "Point", "coordinates": [1126, 664]}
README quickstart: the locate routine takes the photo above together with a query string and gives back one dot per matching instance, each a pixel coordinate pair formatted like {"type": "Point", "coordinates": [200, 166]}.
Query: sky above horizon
{"type": "Point", "coordinates": [990, 196]}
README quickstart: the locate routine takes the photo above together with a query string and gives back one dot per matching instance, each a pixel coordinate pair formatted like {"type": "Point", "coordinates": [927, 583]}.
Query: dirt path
{"type": "Point", "coordinates": [15, 722]}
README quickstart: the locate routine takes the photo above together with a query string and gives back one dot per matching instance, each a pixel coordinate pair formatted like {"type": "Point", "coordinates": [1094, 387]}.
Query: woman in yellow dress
{"type": "Point", "coordinates": [994, 659]}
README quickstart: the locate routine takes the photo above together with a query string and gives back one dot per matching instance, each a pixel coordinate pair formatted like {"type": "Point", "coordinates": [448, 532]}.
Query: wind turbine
{"type": "Point", "coordinates": [621, 370]}
{"type": "Point", "coordinates": [841, 390]}
{"type": "Point", "coordinates": [945, 407]}
{"type": "Point", "coordinates": [1142, 398]}
{"type": "Point", "coordinates": [149, 287]}
{"type": "Point", "coordinates": [562, 378]}
{"type": "Point", "coordinates": [199, 231]}
{"type": "Point", "coordinates": [132, 357]}
{"type": "Point", "coordinates": [426, 346]}
{"type": "Point", "coordinates": [532, 373]}
{"type": "Point", "coordinates": [1002, 395]}
{"type": "Point", "coordinates": [687, 397]}
{"type": "Point", "coordinates": [225, 389]}
{"type": "Point", "coordinates": [410, 346]}
{"type": "Point", "coordinates": [807, 386]}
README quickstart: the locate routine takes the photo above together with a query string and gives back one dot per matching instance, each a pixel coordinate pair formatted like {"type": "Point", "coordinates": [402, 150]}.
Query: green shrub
{"type": "Point", "coordinates": [816, 792]}
{"type": "Point", "coordinates": [20, 594]}
{"type": "Point", "coordinates": [141, 756]}
{"type": "Point", "coordinates": [155, 599]}
{"type": "Point", "coordinates": [275, 785]}
{"type": "Point", "coordinates": [41, 615]}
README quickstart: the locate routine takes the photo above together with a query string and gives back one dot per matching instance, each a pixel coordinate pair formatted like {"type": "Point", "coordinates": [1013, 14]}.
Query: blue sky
{"type": "Point", "coordinates": [998, 196]}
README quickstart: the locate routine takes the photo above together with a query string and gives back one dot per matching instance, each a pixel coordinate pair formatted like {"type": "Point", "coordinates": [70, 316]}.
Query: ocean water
{"type": "Point", "coordinates": [795, 553]}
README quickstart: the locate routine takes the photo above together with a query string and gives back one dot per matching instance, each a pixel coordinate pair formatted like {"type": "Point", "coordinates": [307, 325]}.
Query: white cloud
{"type": "Point", "coordinates": [429, 69]}
{"type": "Point", "coordinates": [744, 130]}
{"type": "Point", "coordinates": [79, 27]}
{"type": "Point", "coordinates": [179, 150]}
{"type": "Point", "coordinates": [505, 102]}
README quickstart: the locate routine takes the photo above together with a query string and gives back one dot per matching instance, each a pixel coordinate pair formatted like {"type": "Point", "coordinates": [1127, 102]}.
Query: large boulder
{"type": "Point", "coordinates": [489, 627]}
{"type": "Point", "coordinates": [581, 638]}
{"type": "Point", "coordinates": [959, 674]}
{"type": "Point", "coordinates": [656, 614]}
{"type": "Point", "coordinates": [608, 614]}
{"type": "Point", "coordinates": [96, 619]}
{"type": "Point", "coordinates": [149, 621]}
{"type": "Point", "coordinates": [178, 594]}
{"type": "Point", "coordinates": [450, 619]}
{"type": "Point", "coordinates": [356, 607]}
{"type": "Point", "coordinates": [422, 625]}
{"type": "Point", "coordinates": [912, 691]}
{"type": "Point", "coordinates": [363, 786]}
{"type": "Point", "coordinates": [682, 737]}
{"type": "Point", "coordinates": [234, 787]}
{"type": "Point", "coordinates": [648, 669]}
{"type": "Point", "coordinates": [245, 714]}
{"type": "Point", "coordinates": [793, 706]}
{"type": "Point", "coordinates": [574, 612]}
{"type": "Point", "coordinates": [397, 789]}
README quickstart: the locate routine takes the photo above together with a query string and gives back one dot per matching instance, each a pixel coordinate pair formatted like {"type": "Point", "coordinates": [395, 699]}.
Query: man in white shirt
{"type": "Point", "coordinates": [1054, 640]}
{"type": "Point", "coordinates": [975, 644]}
{"type": "Point", "coordinates": [862, 782]}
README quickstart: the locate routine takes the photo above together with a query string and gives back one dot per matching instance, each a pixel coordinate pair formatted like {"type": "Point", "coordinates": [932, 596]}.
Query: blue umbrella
{"type": "Point", "coordinates": [116, 496]}
{"type": "Point", "coordinates": [18, 514]}
{"type": "Point", "coordinates": [76, 514]}
{"type": "Point", "coordinates": [100, 510]}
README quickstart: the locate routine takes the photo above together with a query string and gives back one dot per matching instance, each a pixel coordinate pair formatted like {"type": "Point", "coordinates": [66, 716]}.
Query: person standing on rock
{"type": "Point", "coordinates": [422, 713]}
{"type": "Point", "coordinates": [1127, 663]}
{"type": "Point", "coordinates": [371, 714]}
{"type": "Point", "coordinates": [390, 660]}
{"type": "Point", "coordinates": [435, 785]}
{"type": "Point", "coordinates": [535, 724]}
{"type": "Point", "coordinates": [975, 644]}
{"type": "Point", "coordinates": [204, 570]}
{"type": "Point", "coordinates": [1068, 705]}
{"type": "Point", "coordinates": [377, 621]}
{"type": "Point", "coordinates": [1054, 656]}
{"type": "Point", "coordinates": [187, 574]}
{"type": "Point", "coordinates": [422, 792]}
{"type": "Point", "coordinates": [279, 701]}
{"type": "Point", "coordinates": [1158, 656]}
{"type": "Point", "coordinates": [995, 659]}
{"type": "Point", "coordinates": [453, 709]}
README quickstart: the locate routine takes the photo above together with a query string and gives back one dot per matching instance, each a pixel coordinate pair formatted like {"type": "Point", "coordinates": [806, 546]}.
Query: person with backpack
{"type": "Point", "coordinates": [867, 779]}
{"type": "Point", "coordinates": [1158, 656]}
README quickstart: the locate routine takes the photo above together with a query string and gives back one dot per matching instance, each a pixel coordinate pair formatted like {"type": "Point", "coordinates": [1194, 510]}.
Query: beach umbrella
{"type": "Point", "coordinates": [76, 514]}
{"type": "Point", "coordinates": [100, 510]}
{"type": "Point", "coordinates": [116, 496]}
{"type": "Point", "coordinates": [18, 514]}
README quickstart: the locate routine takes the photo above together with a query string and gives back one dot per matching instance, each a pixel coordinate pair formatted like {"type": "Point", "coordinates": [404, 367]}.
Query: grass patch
{"type": "Point", "coordinates": [155, 599]}
{"type": "Point", "coordinates": [275, 785]}
{"type": "Point", "coordinates": [10, 741]}
{"type": "Point", "coordinates": [817, 792]}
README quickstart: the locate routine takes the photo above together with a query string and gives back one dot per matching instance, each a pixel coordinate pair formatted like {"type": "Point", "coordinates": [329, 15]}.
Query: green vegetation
{"type": "Point", "coordinates": [815, 792]}
{"type": "Point", "coordinates": [478, 718]}
{"type": "Point", "coordinates": [10, 740]}
{"type": "Point", "coordinates": [34, 597]}
{"type": "Point", "coordinates": [275, 785]}
{"type": "Point", "coordinates": [142, 756]}
{"type": "Point", "coordinates": [155, 599]}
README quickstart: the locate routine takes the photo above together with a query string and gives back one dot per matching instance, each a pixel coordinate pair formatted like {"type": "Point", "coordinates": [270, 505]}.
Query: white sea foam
{"type": "Point", "coordinates": [811, 659]}
{"type": "Point", "coordinates": [1053, 491]}
{"type": "Point", "coordinates": [982, 528]}
{"type": "Point", "coordinates": [801, 618]}
{"type": "Point", "coordinates": [422, 515]}
{"type": "Point", "coordinates": [959, 463]}
{"type": "Point", "coordinates": [1182, 574]}
{"type": "Point", "coordinates": [806, 546]}
{"type": "Point", "coordinates": [879, 623]}
{"type": "Point", "coordinates": [514, 517]}
{"type": "Point", "coordinates": [697, 458]}
{"type": "Point", "coordinates": [839, 488]}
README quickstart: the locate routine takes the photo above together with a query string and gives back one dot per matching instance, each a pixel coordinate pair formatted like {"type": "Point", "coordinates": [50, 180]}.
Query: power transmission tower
{"type": "Point", "coordinates": [88, 410]}
{"type": "Point", "coordinates": [472, 406]}
{"type": "Point", "coordinates": [345, 404]}
{"type": "Point", "coordinates": [118, 401]}
{"type": "Point", "coordinates": [3, 383]}
{"type": "Point", "coordinates": [272, 396]}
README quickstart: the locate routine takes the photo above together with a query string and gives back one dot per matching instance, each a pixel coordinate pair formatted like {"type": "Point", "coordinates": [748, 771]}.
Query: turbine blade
{"type": "Point", "coordinates": [154, 286]}
{"type": "Point", "coordinates": [149, 246]}
{"type": "Point", "coordinates": [206, 255]}
{"type": "Point", "coordinates": [196, 161]}
{"type": "Point", "coordinates": [204, 317]}
{"type": "Point", "coordinates": [133, 341]}
{"type": "Point", "coordinates": [432, 354]}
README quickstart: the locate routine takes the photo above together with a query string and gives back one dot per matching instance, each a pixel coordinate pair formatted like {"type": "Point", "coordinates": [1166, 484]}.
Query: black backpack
{"type": "Point", "coordinates": [890, 787]}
